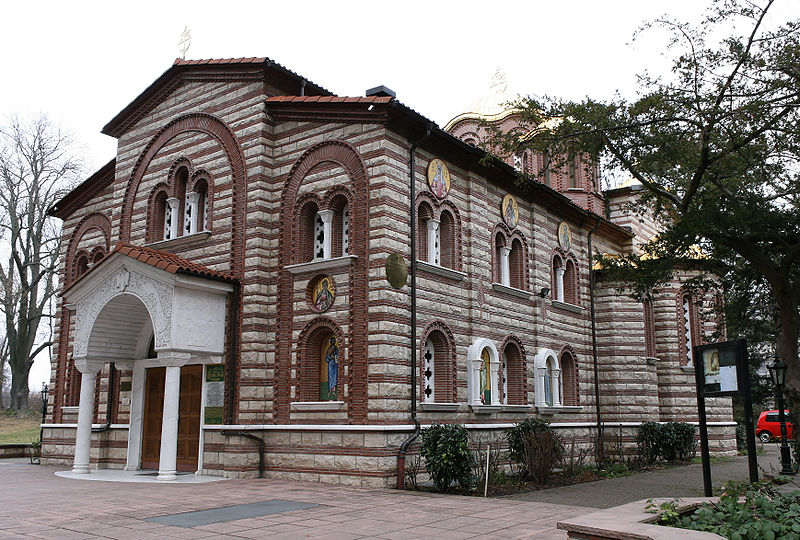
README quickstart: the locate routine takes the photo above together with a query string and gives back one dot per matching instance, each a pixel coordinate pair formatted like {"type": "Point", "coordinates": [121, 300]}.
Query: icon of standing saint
{"type": "Point", "coordinates": [323, 293]}
{"type": "Point", "coordinates": [510, 210]}
{"type": "Point", "coordinates": [438, 178]}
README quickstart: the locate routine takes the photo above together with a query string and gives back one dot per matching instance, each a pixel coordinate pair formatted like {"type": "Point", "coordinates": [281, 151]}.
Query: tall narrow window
{"type": "Point", "coordinates": [570, 283]}
{"type": "Point", "coordinates": [428, 373]}
{"type": "Point", "coordinates": [501, 271]}
{"type": "Point", "coordinates": [329, 369]}
{"type": "Point", "coordinates": [569, 379]}
{"type": "Point", "coordinates": [649, 328]}
{"type": "Point", "coordinates": [558, 278]}
{"type": "Point", "coordinates": [513, 375]}
{"type": "Point", "coordinates": [307, 233]}
{"type": "Point", "coordinates": [447, 237]}
{"type": "Point", "coordinates": [346, 230]}
{"type": "Point", "coordinates": [546, 167]}
{"type": "Point", "coordinates": [182, 210]}
{"type": "Point", "coordinates": [486, 377]}
{"type": "Point", "coordinates": [424, 214]}
{"type": "Point", "coordinates": [319, 237]}
{"type": "Point", "coordinates": [573, 181]}
{"type": "Point", "coordinates": [688, 328]}
{"type": "Point", "coordinates": [516, 265]}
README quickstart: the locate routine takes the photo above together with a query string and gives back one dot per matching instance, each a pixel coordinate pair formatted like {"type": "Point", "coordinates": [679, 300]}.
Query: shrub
{"type": "Point", "coordinates": [516, 437]}
{"type": "Point", "coordinates": [754, 511]}
{"type": "Point", "coordinates": [448, 458]}
{"type": "Point", "coordinates": [535, 446]}
{"type": "Point", "coordinates": [668, 441]}
{"type": "Point", "coordinates": [648, 440]}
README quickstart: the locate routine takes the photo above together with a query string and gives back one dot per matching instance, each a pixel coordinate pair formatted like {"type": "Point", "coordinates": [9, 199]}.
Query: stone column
{"type": "Point", "coordinates": [192, 212]}
{"type": "Point", "coordinates": [505, 272]}
{"type": "Point", "coordinates": [560, 284]}
{"type": "Point", "coordinates": [171, 231]}
{"type": "Point", "coordinates": [327, 230]}
{"type": "Point", "coordinates": [83, 435]}
{"type": "Point", "coordinates": [433, 241]}
{"type": "Point", "coordinates": [173, 361]}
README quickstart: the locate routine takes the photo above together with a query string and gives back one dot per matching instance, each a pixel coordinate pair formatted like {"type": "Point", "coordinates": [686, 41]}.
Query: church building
{"type": "Point", "coordinates": [272, 279]}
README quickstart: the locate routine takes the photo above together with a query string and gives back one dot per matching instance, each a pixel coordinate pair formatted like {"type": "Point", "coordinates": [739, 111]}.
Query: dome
{"type": "Point", "coordinates": [492, 106]}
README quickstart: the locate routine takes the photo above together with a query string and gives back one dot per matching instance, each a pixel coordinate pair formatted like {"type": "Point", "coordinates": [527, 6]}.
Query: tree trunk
{"type": "Point", "coordinates": [787, 349]}
{"type": "Point", "coordinates": [19, 389]}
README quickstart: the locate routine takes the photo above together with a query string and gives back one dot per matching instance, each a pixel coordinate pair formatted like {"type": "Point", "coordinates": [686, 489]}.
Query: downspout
{"type": "Point", "coordinates": [401, 454]}
{"type": "Point", "coordinates": [599, 442]}
{"type": "Point", "coordinates": [252, 437]}
{"type": "Point", "coordinates": [109, 403]}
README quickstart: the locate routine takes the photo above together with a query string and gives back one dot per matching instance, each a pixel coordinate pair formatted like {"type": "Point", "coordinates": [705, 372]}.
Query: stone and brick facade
{"type": "Point", "coordinates": [244, 226]}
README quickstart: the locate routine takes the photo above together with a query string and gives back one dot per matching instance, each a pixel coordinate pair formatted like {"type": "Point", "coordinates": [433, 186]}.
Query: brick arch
{"type": "Point", "coordinates": [179, 163]}
{"type": "Point", "coordinates": [92, 221]}
{"type": "Point", "coordinates": [520, 270]}
{"type": "Point", "coordinates": [305, 345]}
{"type": "Point", "coordinates": [520, 394]}
{"type": "Point", "coordinates": [344, 155]}
{"type": "Point", "coordinates": [569, 376]}
{"type": "Point", "coordinates": [450, 390]}
{"type": "Point", "coordinates": [198, 175]}
{"type": "Point", "coordinates": [216, 128]}
{"type": "Point", "coordinates": [303, 247]}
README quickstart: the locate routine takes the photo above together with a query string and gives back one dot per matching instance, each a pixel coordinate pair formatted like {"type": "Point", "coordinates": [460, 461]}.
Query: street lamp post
{"type": "Point", "coordinates": [777, 372]}
{"type": "Point", "coordinates": [45, 391]}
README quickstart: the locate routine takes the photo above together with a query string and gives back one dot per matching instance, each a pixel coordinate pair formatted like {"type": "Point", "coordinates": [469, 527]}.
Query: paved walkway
{"type": "Point", "coordinates": [35, 503]}
{"type": "Point", "coordinates": [684, 481]}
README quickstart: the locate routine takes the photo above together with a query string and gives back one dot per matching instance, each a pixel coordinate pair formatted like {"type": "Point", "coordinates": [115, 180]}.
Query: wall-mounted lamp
{"type": "Point", "coordinates": [544, 292]}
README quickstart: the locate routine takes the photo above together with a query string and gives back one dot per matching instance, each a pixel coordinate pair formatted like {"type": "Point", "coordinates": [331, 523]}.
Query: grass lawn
{"type": "Point", "coordinates": [18, 430]}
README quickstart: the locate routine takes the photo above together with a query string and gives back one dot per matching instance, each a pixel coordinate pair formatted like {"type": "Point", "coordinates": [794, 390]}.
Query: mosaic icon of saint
{"type": "Point", "coordinates": [438, 185]}
{"type": "Point", "coordinates": [564, 236]}
{"type": "Point", "coordinates": [486, 389]}
{"type": "Point", "coordinates": [324, 296]}
{"type": "Point", "coordinates": [510, 211]}
{"type": "Point", "coordinates": [331, 356]}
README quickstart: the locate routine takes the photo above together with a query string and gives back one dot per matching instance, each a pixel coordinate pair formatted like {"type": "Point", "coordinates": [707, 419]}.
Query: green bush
{"type": "Point", "coordinates": [536, 447]}
{"type": "Point", "coordinates": [516, 437]}
{"type": "Point", "coordinates": [669, 441]}
{"type": "Point", "coordinates": [448, 458]}
{"type": "Point", "coordinates": [754, 511]}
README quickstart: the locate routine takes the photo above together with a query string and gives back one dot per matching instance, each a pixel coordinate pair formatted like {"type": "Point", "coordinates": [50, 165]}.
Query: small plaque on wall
{"type": "Point", "coordinates": [213, 415]}
{"type": "Point", "coordinates": [125, 386]}
{"type": "Point", "coordinates": [215, 373]}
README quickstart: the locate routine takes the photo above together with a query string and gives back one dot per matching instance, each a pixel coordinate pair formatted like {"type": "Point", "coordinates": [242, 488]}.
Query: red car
{"type": "Point", "coordinates": [769, 426]}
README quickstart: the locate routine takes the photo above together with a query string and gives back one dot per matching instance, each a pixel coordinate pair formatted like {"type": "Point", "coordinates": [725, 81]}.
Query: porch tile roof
{"type": "Point", "coordinates": [328, 99]}
{"type": "Point", "coordinates": [169, 262]}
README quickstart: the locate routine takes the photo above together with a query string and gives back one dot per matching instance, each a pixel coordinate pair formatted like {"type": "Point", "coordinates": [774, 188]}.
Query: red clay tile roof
{"type": "Point", "coordinates": [328, 99]}
{"type": "Point", "coordinates": [216, 61]}
{"type": "Point", "coordinates": [168, 262]}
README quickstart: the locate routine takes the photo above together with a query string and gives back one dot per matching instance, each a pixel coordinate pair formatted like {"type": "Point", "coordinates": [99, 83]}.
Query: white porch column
{"type": "Point", "coordinates": [173, 361]}
{"type": "Point", "coordinates": [433, 241]}
{"type": "Point", "coordinates": [557, 388]}
{"type": "Point", "coordinates": [83, 435]}
{"type": "Point", "coordinates": [505, 272]}
{"type": "Point", "coordinates": [327, 227]}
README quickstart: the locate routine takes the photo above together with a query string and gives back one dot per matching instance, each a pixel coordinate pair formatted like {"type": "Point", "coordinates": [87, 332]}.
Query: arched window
{"type": "Point", "coordinates": [321, 359]}
{"type": "Point", "coordinates": [427, 234]}
{"type": "Point", "coordinates": [546, 168]}
{"type": "Point", "coordinates": [97, 255]}
{"type": "Point", "coordinates": [196, 216]}
{"type": "Point", "coordinates": [483, 376]}
{"type": "Point", "coordinates": [501, 268]}
{"type": "Point", "coordinates": [516, 264]}
{"type": "Point", "coordinates": [572, 173]}
{"type": "Point", "coordinates": [558, 278]}
{"type": "Point", "coordinates": [649, 328]}
{"type": "Point", "coordinates": [447, 246]}
{"type": "Point", "coordinates": [340, 227]}
{"type": "Point", "coordinates": [513, 372]}
{"type": "Point", "coordinates": [486, 377]}
{"type": "Point", "coordinates": [570, 283]}
{"type": "Point", "coordinates": [308, 240]}
{"type": "Point", "coordinates": [81, 264]}
{"type": "Point", "coordinates": [181, 210]}
{"type": "Point", "coordinates": [548, 379]}
{"type": "Point", "coordinates": [569, 378]}
{"type": "Point", "coordinates": [160, 227]}
{"type": "Point", "coordinates": [437, 376]}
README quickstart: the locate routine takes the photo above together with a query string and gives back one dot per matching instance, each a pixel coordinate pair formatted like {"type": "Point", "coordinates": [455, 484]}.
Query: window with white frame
{"type": "Point", "coordinates": [548, 379]}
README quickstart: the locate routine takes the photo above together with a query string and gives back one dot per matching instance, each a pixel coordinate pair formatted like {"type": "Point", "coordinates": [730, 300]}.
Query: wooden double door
{"type": "Point", "coordinates": [188, 417]}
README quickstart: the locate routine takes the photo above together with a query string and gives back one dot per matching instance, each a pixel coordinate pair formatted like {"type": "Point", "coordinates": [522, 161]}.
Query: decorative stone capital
{"type": "Point", "coordinates": [89, 365]}
{"type": "Point", "coordinates": [173, 358]}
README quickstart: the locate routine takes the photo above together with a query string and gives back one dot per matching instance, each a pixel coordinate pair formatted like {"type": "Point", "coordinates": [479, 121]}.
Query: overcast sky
{"type": "Point", "coordinates": [82, 62]}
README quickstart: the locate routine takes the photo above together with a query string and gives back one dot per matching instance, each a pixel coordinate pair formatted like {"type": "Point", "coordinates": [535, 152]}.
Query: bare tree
{"type": "Point", "coordinates": [37, 164]}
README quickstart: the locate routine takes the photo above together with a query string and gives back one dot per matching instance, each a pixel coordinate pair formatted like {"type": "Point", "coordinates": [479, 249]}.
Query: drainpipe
{"type": "Point", "coordinates": [303, 87]}
{"type": "Point", "coordinates": [599, 441]}
{"type": "Point", "coordinates": [111, 373]}
{"type": "Point", "coordinates": [252, 437]}
{"type": "Point", "coordinates": [401, 454]}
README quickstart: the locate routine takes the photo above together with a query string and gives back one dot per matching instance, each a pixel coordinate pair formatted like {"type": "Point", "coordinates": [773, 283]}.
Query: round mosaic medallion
{"type": "Point", "coordinates": [438, 178]}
